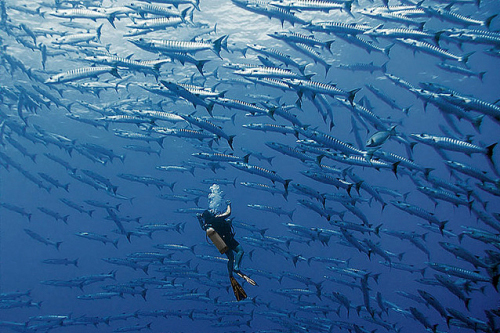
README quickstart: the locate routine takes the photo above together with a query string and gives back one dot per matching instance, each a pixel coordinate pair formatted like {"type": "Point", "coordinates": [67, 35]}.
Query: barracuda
{"type": "Point", "coordinates": [275, 12]}
{"type": "Point", "coordinates": [460, 70]}
{"type": "Point", "coordinates": [210, 127]}
{"type": "Point", "coordinates": [159, 115]}
{"type": "Point", "coordinates": [331, 142]}
{"type": "Point", "coordinates": [447, 15]}
{"type": "Point", "coordinates": [256, 170]}
{"type": "Point", "coordinates": [240, 105]}
{"type": "Point", "coordinates": [357, 227]}
{"type": "Point", "coordinates": [462, 253]}
{"type": "Point", "coordinates": [460, 272]}
{"type": "Point", "coordinates": [327, 179]}
{"type": "Point", "coordinates": [445, 196]}
{"type": "Point", "coordinates": [174, 46]}
{"type": "Point", "coordinates": [314, 87]}
{"type": "Point", "coordinates": [270, 82]}
{"type": "Point", "coordinates": [126, 119]}
{"type": "Point", "coordinates": [83, 13]}
{"type": "Point", "coordinates": [42, 239]}
{"type": "Point", "coordinates": [82, 73]}
{"type": "Point", "coordinates": [221, 157]}
{"type": "Point", "coordinates": [433, 50]}
{"type": "Point", "coordinates": [290, 151]}
{"type": "Point", "coordinates": [203, 92]}
{"type": "Point", "coordinates": [176, 3]}
{"type": "Point", "coordinates": [147, 66]}
{"type": "Point", "coordinates": [147, 8]}
{"type": "Point", "coordinates": [79, 38]}
{"type": "Point", "coordinates": [309, 191]}
{"type": "Point", "coordinates": [453, 288]}
{"type": "Point", "coordinates": [270, 72]}
{"type": "Point", "coordinates": [399, 33]}
{"type": "Point", "coordinates": [188, 95]}
{"type": "Point", "coordinates": [339, 27]}
{"type": "Point", "coordinates": [363, 184]}
{"type": "Point", "coordinates": [471, 103]}
{"type": "Point", "coordinates": [276, 210]}
{"type": "Point", "coordinates": [138, 136]}
{"type": "Point", "coordinates": [185, 133]}
{"type": "Point", "coordinates": [419, 212]}
{"type": "Point", "coordinates": [300, 38]}
{"type": "Point", "coordinates": [446, 143]}
{"type": "Point", "coordinates": [273, 53]}
{"type": "Point", "coordinates": [384, 97]}
{"type": "Point", "coordinates": [473, 38]}
{"type": "Point", "coordinates": [471, 171]}
{"type": "Point", "coordinates": [162, 22]}
{"type": "Point", "coordinates": [392, 16]}
{"type": "Point", "coordinates": [311, 53]}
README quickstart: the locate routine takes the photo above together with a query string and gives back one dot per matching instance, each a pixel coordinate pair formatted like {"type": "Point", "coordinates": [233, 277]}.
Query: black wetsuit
{"type": "Point", "coordinates": [225, 229]}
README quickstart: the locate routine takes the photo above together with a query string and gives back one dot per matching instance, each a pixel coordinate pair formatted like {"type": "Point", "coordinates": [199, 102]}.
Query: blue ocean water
{"type": "Point", "coordinates": [295, 293]}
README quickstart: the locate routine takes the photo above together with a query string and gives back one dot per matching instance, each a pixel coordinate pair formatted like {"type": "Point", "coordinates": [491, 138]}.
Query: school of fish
{"type": "Point", "coordinates": [356, 141]}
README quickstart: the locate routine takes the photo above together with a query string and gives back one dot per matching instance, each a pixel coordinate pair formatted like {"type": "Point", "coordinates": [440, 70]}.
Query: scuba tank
{"type": "Point", "coordinates": [217, 240]}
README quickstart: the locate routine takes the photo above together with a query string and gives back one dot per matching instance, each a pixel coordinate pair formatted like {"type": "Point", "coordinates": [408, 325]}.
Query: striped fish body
{"type": "Point", "coordinates": [82, 73]}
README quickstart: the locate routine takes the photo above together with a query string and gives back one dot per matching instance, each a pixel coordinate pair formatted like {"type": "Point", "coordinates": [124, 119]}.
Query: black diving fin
{"type": "Point", "coordinates": [238, 290]}
{"type": "Point", "coordinates": [247, 278]}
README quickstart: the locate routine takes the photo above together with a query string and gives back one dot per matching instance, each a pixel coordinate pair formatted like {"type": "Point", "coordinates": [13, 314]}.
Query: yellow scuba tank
{"type": "Point", "coordinates": [217, 240]}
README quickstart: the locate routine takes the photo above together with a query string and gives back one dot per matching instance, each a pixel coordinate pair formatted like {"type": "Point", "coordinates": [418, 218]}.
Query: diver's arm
{"type": "Point", "coordinates": [201, 221]}
{"type": "Point", "coordinates": [227, 212]}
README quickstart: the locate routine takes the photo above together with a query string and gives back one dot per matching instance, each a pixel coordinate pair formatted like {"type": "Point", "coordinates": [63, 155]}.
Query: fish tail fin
{"type": "Point", "coordinates": [465, 57]}
{"type": "Point", "coordinates": [98, 32]}
{"type": "Point", "coordinates": [114, 72]}
{"type": "Point", "coordinates": [217, 44]}
{"type": "Point", "coordinates": [489, 152]}
{"type": "Point", "coordinates": [58, 244]}
{"type": "Point", "coordinates": [115, 243]}
{"type": "Point", "coordinates": [395, 168]}
{"type": "Point", "coordinates": [285, 185]}
{"type": "Point", "coordinates": [185, 15]}
{"type": "Point", "coordinates": [329, 45]}
{"type": "Point", "coordinates": [351, 95]}
{"type": "Point", "coordinates": [160, 141]}
{"type": "Point", "coordinates": [494, 281]}
{"type": "Point", "coordinates": [327, 68]}
{"type": "Point", "coordinates": [487, 22]}
{"type": "Point", "coordinates": [230, 141]}
{"type": "Point", "coordinates": [111, 19]}
{"type": "Point", "coordinates": [437, 37]}
{"type": "Point", "coordinates": [477, 121]}
{"type": "Point", "coordinates": [481, 75]}
{"type": "Point", "coordinates": [302, 68]}
{"type": "Point", "coordinates": [199, 65]}
{"type": "Point", "coordinates": [387, 49]}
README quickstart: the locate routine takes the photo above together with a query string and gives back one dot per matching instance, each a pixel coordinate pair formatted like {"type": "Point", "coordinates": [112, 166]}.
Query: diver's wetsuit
{"type": "Point", "coordinates": [225, 230]}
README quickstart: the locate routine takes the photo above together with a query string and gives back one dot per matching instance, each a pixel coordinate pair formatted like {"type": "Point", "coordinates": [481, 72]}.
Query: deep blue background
{"type": "Point", "coordinates": [20, 256]}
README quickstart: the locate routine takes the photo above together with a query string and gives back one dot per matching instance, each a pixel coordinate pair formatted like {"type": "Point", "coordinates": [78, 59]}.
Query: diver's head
{"type": "Point", "coordinates": [207, 215]}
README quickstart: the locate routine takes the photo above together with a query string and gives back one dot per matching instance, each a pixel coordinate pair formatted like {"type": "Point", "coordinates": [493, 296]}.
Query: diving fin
{"type": "Point", "coordinates": [238, 290]}
{"type": "Point", "coordinates": [247, 278]}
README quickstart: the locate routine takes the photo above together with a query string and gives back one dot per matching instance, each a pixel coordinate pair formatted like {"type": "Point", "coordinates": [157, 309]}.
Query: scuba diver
{"type": "Point", "coordinates": [220, 231]}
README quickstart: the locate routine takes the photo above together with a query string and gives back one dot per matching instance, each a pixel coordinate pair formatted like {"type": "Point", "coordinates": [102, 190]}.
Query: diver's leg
{"type": "Point", "coordinates": [239, 255]}
{"type": "Point", "coordinates": [230, 263]}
